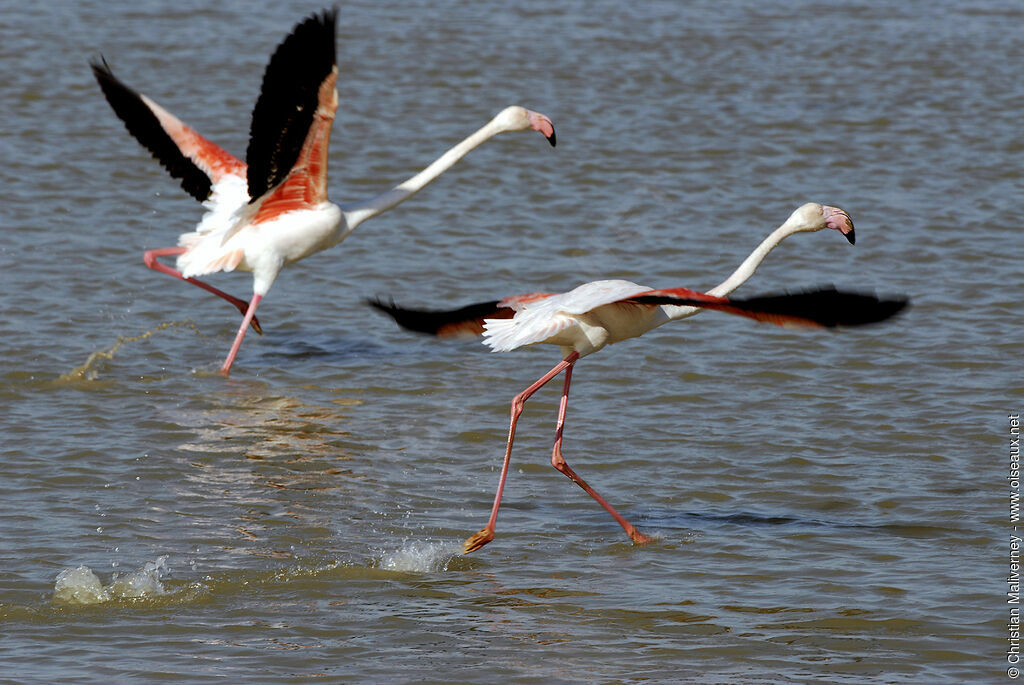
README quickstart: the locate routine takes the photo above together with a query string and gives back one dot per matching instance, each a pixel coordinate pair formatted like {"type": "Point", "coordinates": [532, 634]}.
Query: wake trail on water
{"type": "Point", "coordinates": [89, 371]}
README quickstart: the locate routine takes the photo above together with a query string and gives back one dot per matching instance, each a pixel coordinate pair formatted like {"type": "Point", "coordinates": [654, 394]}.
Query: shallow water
{"type": "Point", "coordinates": [827, 506]}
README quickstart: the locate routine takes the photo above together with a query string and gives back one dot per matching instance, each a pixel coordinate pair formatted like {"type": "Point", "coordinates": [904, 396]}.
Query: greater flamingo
{"type": "Point", "coordinates": [272, 209]}
{"type": "Point", "coordinates": [600, 313]}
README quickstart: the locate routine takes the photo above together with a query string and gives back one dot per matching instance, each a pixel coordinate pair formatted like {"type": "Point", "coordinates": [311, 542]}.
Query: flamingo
{"type": "Point", "coordinates": [600, 313]}
{"type": "Point", "coordinates": [272, 210]}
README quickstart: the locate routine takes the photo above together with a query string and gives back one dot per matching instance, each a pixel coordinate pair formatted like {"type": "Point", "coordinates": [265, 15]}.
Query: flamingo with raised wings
{"type": "Point", "coordinates": [272, 210]}
{"type": "Point", "coordinates": [600, 313]}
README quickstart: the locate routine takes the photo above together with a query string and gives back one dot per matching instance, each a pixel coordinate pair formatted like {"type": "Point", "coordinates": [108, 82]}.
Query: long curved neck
{"type": "Point", "coordinates": [358, 212]}
{"type": "Point", "coordinates": [743, 272]}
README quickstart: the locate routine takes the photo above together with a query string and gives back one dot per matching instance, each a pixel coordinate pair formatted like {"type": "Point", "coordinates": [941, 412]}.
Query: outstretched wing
{"type": "Point", "coordinates": [296, 106]}
{"type": "Point", "coordinates": [818, 308]}
{"type": "Point", "coordinates": [185, 154]}
{"type": "Point", "coordinates": [464, 322]}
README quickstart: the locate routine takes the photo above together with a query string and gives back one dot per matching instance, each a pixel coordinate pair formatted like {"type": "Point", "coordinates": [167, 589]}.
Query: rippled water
{"type": "Point", "coordinates": [827, 506]}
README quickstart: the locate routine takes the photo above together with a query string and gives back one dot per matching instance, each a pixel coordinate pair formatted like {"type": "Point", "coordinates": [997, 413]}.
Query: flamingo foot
{"type": "Point", "coordinates": [475, 542]}
{"type": "Point", "coordinates": [639, 538]}
{"type": "Point", "coordinates": [255, 323]}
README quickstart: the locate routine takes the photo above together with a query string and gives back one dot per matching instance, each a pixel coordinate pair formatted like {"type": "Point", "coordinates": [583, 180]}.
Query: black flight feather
{"type": "Point", "coordinates": [140, 121]}
{"type": "Point", "coordinates": [288, 99]}
{"type": "Point", "coordinates": [824, 306]}
{"type": "Point", "coordinates": [433, 322]}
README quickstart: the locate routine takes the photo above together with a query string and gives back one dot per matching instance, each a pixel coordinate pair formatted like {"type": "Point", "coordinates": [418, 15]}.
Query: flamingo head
{"type": "Point", "coordinates": [814, 217]}
{"type": "Point", "coordinates": [520, 119]}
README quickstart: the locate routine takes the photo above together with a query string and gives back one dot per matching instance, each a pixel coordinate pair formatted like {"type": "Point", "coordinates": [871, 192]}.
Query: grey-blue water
{"type": "Point", "coordinates": [828, 506]}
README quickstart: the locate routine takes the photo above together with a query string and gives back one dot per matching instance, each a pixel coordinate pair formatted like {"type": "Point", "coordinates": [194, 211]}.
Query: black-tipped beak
{"type": "Point", "coordinates": [838, 219]}
{"type": "Point", "coordinates": [540, 122]}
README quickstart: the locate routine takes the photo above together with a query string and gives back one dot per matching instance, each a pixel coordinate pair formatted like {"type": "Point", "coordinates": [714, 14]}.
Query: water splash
{"type": "Point", "coordinates": [88, 370]}
{"type": "Point", "coordinates": [81, 586]}
{"type": "Point", "coordinates": [421, 557]}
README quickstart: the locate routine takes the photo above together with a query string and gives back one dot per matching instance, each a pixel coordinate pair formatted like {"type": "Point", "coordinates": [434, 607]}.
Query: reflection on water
{"type": "Point", "coordinates": [270, 426]}
{"type": "Point", "coordinates": [276, 462]}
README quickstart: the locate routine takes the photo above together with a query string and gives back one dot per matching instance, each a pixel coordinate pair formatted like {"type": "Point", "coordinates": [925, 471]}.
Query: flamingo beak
{"type": "Point", "coordinates": [838, 219]}
{"type": "Point", "coordinates": [539, 122]}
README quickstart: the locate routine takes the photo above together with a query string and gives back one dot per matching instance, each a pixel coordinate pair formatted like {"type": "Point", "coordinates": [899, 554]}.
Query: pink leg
{"type": "Point", "coordinates": [559, 463]}
{"type": "Point", "coordinates": [486, 534]}
{"type": "Point", "coordinates": [226, 367]}
{"type": "Point", "coordinates": [150, 258]}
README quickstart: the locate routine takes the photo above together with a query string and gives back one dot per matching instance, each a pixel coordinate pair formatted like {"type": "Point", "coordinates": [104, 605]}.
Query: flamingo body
{"type": "Point", "coordinates": [261, 248]}
{"type": "Point", "coordinates": [272, 209]}
{"type": "Point", "coordinates": [600, 313]}
{"type": "Point", "coordinates": [584, 319]}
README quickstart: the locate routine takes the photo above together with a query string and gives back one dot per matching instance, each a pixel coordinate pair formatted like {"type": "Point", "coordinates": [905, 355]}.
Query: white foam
{"type": "Point", "coordinates": [421, 557]}
{"type": "Point", "coordinates": [81, 586]}
{"type": "Point", "coordinates": [142, 583]}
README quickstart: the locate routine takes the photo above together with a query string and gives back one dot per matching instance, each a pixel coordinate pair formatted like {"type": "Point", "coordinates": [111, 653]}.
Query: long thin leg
{"type": "Point", "coordinates": [486, 534]}
{"type": "Point", "coordinates": [559, 463]}
{"type": "Point", "coordinates": [150, 258]}
{"type": "Point", "coordinates": [249, 313]}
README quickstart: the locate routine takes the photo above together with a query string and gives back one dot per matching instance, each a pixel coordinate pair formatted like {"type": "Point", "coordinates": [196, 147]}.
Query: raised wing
{"type": "Point", "coordinates": [185, 154]}
{"type": "Point", "coordinates": [818, 308]}
{"type": "Point", "coordinates": [295, 109]}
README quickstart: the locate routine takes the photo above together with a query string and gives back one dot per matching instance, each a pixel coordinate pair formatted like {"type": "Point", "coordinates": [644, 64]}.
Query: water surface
{"type": "Point", "coordinates": [827, 506]}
